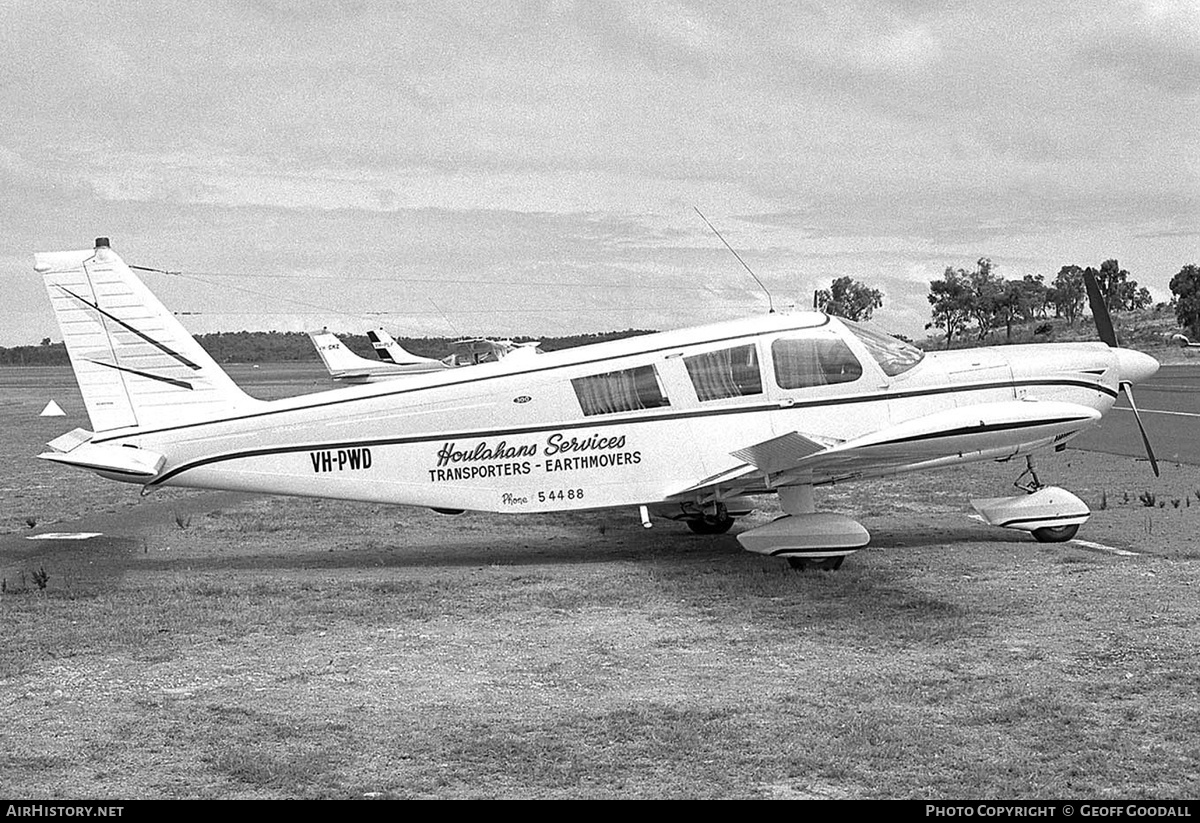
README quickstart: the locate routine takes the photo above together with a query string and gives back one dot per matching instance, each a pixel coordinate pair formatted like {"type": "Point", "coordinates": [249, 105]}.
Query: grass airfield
{"type": "Point", "coordinates": [213, 645]}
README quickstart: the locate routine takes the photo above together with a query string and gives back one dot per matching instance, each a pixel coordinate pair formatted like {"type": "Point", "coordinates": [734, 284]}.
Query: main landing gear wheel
{"type": "Point", "coordinates": [825, 564]}
{"type": "Point", "coordinates": [1055, 534]}
{"type": "Point", "coordinates": [711, 525]}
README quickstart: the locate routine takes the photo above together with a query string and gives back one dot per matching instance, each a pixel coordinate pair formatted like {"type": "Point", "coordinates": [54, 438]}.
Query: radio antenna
{"type": "Point", "coordinates": [770, 302]}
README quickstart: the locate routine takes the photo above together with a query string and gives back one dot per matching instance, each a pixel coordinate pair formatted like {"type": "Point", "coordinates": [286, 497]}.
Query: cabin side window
{"type": "Point", "coordinates": [802, 363]}
{"type": "Point", "coordinates": [620, 391]}
{"type": "Point", "coordinates": [725, 373]}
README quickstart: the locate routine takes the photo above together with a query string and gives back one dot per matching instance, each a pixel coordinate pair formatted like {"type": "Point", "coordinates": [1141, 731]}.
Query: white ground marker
{"type": "Point", "coordinates": [1100, 547]}
{"type": "Point", "coordinates": [64, 536]}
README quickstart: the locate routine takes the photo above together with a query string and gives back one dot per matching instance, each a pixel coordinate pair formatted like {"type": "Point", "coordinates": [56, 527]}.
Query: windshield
{"type": "Point", "coordinates": [894, 356]}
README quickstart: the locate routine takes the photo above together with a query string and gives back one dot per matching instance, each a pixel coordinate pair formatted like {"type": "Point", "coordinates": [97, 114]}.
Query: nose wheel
{"type": "Point", "coordinates": [1050, 514]}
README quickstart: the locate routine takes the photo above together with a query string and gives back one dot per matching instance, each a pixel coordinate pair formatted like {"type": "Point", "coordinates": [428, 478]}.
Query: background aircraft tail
{"type": "Point", "coordinates": [343, 364]}
{"type": "Point", "coordinates": [339, 361]}
{"type": "Point", "coordinates": [135, 363]}
{"type": "Point", "coordinates": [389, 351]}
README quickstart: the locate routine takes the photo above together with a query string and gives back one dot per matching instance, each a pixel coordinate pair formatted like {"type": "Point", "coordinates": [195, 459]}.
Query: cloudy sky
{"type": "Point", "coordinates": [533, 167]}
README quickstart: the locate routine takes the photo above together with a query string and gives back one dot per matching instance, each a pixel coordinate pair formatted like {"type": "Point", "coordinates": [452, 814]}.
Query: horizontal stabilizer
{"type": "Point", "coordinates": [122, 462]}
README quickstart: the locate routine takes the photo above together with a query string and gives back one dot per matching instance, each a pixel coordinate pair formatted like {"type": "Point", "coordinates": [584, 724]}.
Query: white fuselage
{"type": "Point", "coordinates": [516, 436]}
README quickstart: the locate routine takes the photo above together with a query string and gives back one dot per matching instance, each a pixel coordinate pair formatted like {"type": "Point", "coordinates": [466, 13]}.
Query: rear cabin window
{"type": "Point", "coordinates": [725, 373]}
{"type": "Point", "coordinates": [801, 363]}
{"type": "Point", "coordinates": [620, 391]}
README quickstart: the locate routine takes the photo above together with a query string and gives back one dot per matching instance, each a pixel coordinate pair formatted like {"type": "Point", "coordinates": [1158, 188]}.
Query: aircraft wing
{"type": "Point", "coordinates": [988, 428]}
{"type": "Point", "coordinates": [997, 429]}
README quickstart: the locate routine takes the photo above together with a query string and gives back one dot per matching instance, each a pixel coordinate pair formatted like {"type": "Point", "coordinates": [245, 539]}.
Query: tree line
{"type": "Point", "coordinates": [960, 301]}
{"type": "Point", "coordinates": [283, 347]}
{"type": "Point", "coordinates": [982, 301]}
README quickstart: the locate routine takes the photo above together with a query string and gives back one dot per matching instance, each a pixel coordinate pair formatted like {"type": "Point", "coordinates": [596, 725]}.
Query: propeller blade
{"type": "Point", "coordinates": [1128, 389]}
{"type": "Point", "coordinates": [1104, 324]}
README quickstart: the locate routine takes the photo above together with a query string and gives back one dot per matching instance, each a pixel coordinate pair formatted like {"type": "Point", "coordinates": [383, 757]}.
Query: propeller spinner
{"type": "Point", "coordinates": [1132, 366]}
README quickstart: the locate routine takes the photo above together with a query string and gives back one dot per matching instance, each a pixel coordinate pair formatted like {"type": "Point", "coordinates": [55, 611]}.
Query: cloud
{"type": "Point", "coordinates": [879, 137]}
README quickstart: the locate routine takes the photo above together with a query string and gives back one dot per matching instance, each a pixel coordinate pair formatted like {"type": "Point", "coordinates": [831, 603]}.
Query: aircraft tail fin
{"type": "Point", "coordinates": [389, 351]}
{"type": "Point", "coordinates": [339, 361]}
{"type": "Point", "coordinates": [343, 364]}
{"type": "Point", "coordinates": [135, 363]}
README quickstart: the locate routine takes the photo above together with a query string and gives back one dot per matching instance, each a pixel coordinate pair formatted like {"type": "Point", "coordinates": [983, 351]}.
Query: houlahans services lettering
{"type": "Point", "coordinates": [485, 460]}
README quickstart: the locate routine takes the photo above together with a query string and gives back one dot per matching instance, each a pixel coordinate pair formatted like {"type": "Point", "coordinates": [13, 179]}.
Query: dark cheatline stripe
{"type": "Point", "coordinates": [592, 423]}
{"type": "Point", "coordinates": [598, 421]}
{"type": "Point", "coordinates": [1059, 518]}
{"type": "Point", "coordinates": [983, 429]}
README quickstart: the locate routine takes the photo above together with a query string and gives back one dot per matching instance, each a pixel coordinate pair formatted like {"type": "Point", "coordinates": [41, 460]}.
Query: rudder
{"type": "Point", "coordinates": [389, 351]}
{"type": "Point", "coordinates": [135, 363]}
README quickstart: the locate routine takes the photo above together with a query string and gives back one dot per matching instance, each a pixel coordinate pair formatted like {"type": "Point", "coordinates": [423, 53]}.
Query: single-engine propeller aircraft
{"type": "Point", "coordinates": [343, 364]}
{"type": "Point", "coordinates": [471, 351]}
{"type": "Point", "coordinates": [686, 424]}
{"type": "Point", "coordinates": [466, 351]}
{"type": "Point", "coordinates": [395, 361]}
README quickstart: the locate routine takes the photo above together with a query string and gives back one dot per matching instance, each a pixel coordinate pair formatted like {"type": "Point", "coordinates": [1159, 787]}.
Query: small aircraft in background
{"type": "Point", "coordinates": [688, 425]}
{"type": "Point", "coordinates": [343, 364]}
{"type": "Point", "coordinates": [471, 351]}
{"type": "Point", "coordinates": [466, 351]}
{"type": "Point", "coordinates": [395, 361]}
{"type": "Point", "coordinates": [1183, 341]}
